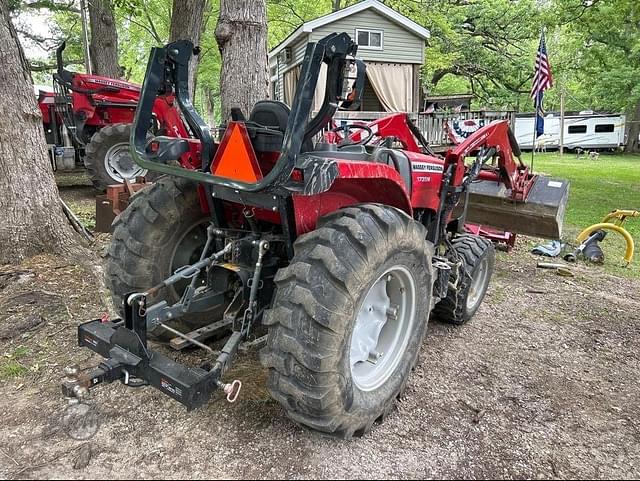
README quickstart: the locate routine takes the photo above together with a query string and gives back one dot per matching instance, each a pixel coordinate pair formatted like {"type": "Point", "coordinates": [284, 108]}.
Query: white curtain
{"type": "Point", "coordinates": [393, 84]}
{"type": "Point", "coordinates": [290, 84]}
{"type": "Point", "coordinates": [318, 97]}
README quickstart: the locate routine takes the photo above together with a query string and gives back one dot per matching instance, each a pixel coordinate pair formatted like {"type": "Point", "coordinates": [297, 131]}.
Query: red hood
{"type": "Point", "coordinates": [96, 82]}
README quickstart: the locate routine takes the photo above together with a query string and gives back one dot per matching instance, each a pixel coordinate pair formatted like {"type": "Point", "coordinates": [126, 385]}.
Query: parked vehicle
{"type": "Point", "coordinates": [89, 118]}
{"type": "Point", "coordinates": [585, 130]}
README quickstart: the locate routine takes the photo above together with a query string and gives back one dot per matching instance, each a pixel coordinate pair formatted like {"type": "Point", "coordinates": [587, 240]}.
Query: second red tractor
{"type": "Point", "coordinates": [90, 118]}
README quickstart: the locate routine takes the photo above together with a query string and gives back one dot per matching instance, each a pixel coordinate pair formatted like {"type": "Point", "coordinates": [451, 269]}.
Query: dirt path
{"type": "Point", "coordinates": [538, 385]}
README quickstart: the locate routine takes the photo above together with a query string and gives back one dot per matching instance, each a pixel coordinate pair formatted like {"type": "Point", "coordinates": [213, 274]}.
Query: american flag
{"type": "Point", "coordinates": [542, 80]}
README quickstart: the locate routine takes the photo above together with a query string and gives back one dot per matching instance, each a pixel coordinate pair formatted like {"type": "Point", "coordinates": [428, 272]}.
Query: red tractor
{"type": "Point", "coordinates": [337, 251]}
{"type": "Point", "coordinates": [90, 118]}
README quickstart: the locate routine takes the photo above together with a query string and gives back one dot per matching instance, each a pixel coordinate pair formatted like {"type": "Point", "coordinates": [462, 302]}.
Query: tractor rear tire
{"type": "Point", "coordinates": [108, 149]}
{"type": "Point", "coordinates": [478, 260]}
{"type": "Point", "coordinates": [163, 228]}
{"type": "Point", "coordinates": [337, 283]}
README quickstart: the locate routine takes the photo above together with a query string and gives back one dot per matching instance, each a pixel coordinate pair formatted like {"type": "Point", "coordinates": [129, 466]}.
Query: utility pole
{"type": "Point", "coordinates": [561, 120]}
{"type": "Point", "coordinates": [85, 37]}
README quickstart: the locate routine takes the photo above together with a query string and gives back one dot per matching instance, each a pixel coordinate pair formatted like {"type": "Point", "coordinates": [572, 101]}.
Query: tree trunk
{"type": "Point", "coordinates": [242, 39]}
{"type": "Point", "coordinates": [104, 39]}
{"type": "Point", "coordinates": [187, 20]}
{"type": "Point", "coordinates": [211, 106]}
{"type": "Point", "coordinates": [633, 145]}
{"type": "Point", "coordinates": [32, 218]}
{"type": "Point", "coordinates": [336, 5]}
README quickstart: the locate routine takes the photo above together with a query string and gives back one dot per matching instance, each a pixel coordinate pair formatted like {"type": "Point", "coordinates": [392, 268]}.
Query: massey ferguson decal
{"type": "Point", "coordinates": [426, 167]}
{"type": "Point", "coordinates": [114, 83]}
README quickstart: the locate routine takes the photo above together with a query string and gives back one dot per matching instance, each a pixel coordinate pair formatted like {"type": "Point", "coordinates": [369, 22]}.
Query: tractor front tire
{"type": "Point", "coordinates": [162, 229]}
{"type": "Point", "coordinates": [348, 319]}
{"type": "Point", "coordinates": [108, 159]}
{"type": "Point", "coordinates": [478, 260]}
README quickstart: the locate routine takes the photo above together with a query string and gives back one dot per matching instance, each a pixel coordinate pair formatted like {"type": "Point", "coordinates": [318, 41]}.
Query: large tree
{"type": "Point", "coordinates": [485, 47]}
{"type": "Point", "coordinates": [32, 216]}
{"type": "Point", "coordinates": [104, 39]}
{"type": "Point", "coordinates": [187, 20]}
{"type": "Point", "coordinates": [242, 39]}
{"type": "Point", "coordinates": [606, 56]}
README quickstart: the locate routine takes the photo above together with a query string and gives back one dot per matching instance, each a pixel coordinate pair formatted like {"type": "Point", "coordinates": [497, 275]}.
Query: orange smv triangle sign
{"type": "Point", "coordinates": [235, 158]}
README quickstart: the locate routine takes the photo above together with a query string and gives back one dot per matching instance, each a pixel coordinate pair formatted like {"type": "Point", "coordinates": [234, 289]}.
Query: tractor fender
{"type": "Point", "coordinates": [357, 183]}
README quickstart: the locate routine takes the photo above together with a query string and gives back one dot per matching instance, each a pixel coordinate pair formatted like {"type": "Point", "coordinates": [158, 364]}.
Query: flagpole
{"type": "Point", "coordinates": [561, 120]}
{"type": "Point", "coordinates": [535, 131]}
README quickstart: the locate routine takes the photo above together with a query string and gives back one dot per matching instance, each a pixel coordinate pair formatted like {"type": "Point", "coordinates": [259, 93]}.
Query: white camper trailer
{"type": "Point", "coordinates": [585, 130]}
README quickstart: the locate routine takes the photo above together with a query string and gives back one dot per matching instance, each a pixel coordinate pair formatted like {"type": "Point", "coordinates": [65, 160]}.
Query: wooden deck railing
{"type": "Point", "coordinates": [432, 126]}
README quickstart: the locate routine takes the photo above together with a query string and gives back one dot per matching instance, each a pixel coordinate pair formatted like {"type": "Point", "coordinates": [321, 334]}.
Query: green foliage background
{"type": "Point", "coordinates": [482, 46]}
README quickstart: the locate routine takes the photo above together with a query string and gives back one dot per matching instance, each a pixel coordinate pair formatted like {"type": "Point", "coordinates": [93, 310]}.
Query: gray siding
{"type": "Point", "coordinates": [298, 50]}
{"type": "Point", "coordinates": [399, 44]}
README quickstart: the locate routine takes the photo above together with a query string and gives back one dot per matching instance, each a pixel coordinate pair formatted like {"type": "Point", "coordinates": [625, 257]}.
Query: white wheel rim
{"type": "Point", "coordinates": [478, 283]}
{"type": "Point", "coordinates": [383, 328]}
{"type": "Point", "coordinates": [119, 164]}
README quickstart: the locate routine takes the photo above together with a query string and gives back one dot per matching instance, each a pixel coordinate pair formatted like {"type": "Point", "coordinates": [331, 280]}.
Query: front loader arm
{"type": "Point", "coordinates": [499, 138]}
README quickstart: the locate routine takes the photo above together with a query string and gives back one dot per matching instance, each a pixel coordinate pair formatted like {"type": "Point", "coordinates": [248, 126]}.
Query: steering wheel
{"type": "Point", "coordinates": [349, 127]}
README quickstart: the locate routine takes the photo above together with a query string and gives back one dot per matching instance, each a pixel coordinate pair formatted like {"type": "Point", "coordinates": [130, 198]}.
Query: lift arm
{"type": "Point", "coordinates": [499, 137]}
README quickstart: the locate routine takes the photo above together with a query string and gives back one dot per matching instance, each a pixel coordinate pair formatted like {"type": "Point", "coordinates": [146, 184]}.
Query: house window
{"type": "Point", "coordinates": [369, 39]}
{"type": "Point", "coordinates": [577, 129]}
{"type": "Point", "coordinates": [602, 128]}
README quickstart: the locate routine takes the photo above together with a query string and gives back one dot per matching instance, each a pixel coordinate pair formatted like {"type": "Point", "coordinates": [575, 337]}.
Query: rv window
{"type": "Point", "coordinates": [577, 129]}
{"type": "Point", "coordinates": [601, 128]}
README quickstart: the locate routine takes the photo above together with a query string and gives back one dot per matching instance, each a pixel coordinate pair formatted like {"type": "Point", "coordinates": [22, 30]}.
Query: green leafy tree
{"type": "Point", "coordinates": [603, 40]}
{"type": "Point", "coordinates": [485, 47]}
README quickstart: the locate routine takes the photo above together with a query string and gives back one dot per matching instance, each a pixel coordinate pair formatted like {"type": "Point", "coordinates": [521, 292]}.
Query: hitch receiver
{"type": "Point", "coordinates": [123, 344]}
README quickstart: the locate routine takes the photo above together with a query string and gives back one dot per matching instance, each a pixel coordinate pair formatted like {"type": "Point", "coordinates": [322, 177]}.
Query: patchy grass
{"type": "Point", "coordinates": [86, 212]}
{"type": "Point", "coordinates": [74, 178]}
{"type": "Point", "coordinates": [78, 193]}
{"type": "Point", "coordinates": [598, 187]}
{"type": "Point", "coordinates": [11, 367]}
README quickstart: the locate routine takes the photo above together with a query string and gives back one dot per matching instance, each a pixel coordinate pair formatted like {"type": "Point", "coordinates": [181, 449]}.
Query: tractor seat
{"type": "Point", "coordinates": [398, 160]}
{"type": "Point", "coordinates": [275, 116]}
{"type": "Point", "coordinates": [347, 152]}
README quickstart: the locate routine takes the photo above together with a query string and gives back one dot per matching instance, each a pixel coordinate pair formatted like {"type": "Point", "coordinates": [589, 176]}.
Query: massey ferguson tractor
{"type": "Point", "coordinates": [338, 247]}
{"type": "Point", "coordinates": [89, 119]}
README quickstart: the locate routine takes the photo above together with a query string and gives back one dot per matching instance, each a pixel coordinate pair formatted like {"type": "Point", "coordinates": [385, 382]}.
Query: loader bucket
{"type": "Point", "coordinates": [540, 215]}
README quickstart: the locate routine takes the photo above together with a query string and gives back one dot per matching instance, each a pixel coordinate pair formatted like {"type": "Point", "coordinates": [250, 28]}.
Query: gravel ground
{"type": "Point", "coordinates": [542, 383]}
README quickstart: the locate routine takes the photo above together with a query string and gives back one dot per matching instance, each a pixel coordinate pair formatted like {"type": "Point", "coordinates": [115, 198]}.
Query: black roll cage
{"type": "Point", "coordinates": [167, 71]}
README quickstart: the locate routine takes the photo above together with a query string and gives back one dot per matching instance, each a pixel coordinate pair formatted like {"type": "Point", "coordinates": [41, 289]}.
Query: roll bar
{"type": "Point", "coordinates": [167, 71]}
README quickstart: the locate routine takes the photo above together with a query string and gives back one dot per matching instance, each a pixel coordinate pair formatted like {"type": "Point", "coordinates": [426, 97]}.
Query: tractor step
{"type": "Point", "coordinates": [200, 335]}
{"type": "Point", "coordinates": [540, 215]}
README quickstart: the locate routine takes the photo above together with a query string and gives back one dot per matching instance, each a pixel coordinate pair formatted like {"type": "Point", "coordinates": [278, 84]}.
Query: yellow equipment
{"type": "Point", "coordinates": [618, 217]}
